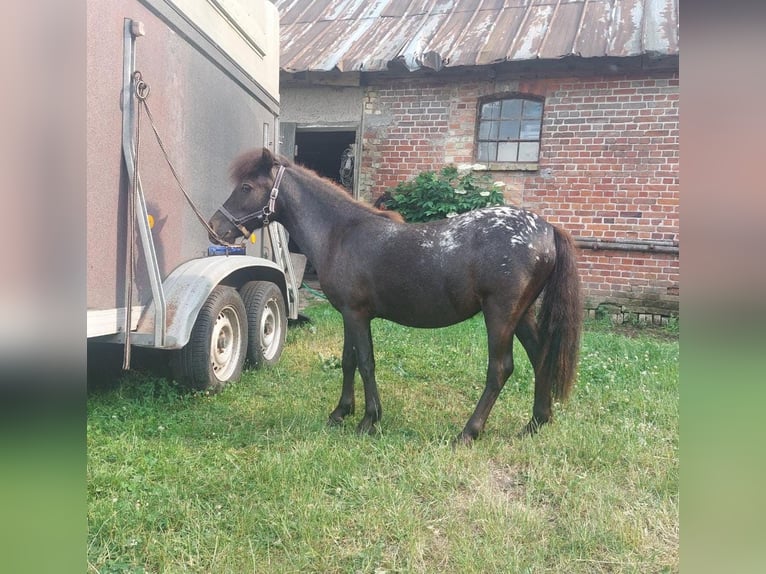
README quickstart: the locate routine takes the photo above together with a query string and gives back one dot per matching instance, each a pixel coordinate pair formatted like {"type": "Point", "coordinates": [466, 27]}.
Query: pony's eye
{"type": "Point", "coordinates": [247, 188]}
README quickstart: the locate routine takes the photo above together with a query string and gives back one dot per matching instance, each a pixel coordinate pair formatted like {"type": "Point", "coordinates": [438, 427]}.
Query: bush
{"type": "Point", "coordinates": [432, 196]}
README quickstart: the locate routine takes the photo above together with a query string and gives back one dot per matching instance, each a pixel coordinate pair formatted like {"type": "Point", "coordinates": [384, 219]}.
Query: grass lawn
{"type": "Point", "coordinates": [251, 480]}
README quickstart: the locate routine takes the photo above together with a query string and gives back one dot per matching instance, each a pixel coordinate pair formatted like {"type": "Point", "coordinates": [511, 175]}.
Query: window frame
{"type": "Point", "coordinates": [532, 165]}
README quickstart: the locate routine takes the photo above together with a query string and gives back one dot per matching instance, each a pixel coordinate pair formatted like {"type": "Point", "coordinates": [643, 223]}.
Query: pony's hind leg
{"type": "Point", "coordinates": [528, 335]}
{"type": "Point", "coordinates": [348, 363]}
{"type": "Point", "coordinates": [499, 369]}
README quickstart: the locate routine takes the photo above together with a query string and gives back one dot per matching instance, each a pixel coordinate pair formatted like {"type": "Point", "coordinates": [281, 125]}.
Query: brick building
{"type": "Point", "coordinates": [573, 105]}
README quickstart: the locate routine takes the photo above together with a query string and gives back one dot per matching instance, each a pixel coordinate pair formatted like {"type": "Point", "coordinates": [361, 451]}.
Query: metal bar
{"type": "Point", "coordinates": [155, 278]}
{"type": "Point", "coordinates": [128, 62]}
{"type": "Point", "coordinates": [279, 245]}
{"type": "Point", "coordinates": [133, 29]}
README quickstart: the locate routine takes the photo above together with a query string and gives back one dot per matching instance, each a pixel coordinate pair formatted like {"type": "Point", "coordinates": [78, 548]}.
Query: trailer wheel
{"type": "Point", "coordinates": [217, 347]}
{"type": "Point", "coordinates": [267, 322]}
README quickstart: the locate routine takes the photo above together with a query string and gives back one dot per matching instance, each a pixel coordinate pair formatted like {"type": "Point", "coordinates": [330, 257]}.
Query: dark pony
{"type": "Point", "coordinates": [497, 260]}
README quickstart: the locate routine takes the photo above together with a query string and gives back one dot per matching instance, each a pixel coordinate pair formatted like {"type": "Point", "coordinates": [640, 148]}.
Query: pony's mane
{"type": "Point", "coordinates": [332, 188]}
{"type": "Point", "coordinates": [255, 162]}
{"type": "Point", "coordinates": [248, 164]}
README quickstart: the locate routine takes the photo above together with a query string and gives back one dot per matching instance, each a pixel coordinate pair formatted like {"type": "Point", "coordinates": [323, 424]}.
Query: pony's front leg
{"type": "Point", "coordinates": [346, 403]}
{"type": "Point", "coordinates": [358, 329]}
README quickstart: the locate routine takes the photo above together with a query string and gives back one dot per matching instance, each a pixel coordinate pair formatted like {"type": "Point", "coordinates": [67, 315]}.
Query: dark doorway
{"type": "Point", "coordinates": [323, 151]}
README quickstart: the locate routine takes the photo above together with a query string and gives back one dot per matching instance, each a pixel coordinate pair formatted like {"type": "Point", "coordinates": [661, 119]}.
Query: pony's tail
{"type": "Point", "coordinates": [560, 319]}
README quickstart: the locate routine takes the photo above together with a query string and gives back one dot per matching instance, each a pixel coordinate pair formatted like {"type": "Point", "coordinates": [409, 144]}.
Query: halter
{"type": "Point", "coordinates": [262, 214]}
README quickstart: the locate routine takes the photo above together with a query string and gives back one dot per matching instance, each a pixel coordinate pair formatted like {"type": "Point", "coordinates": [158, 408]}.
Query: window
{"type": "Point", "coordinates": [509, 130]}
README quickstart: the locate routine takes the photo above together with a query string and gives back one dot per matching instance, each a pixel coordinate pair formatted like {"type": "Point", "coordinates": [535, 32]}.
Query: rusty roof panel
{"type": "Point", "coordinates": [299, 11]}
{"type": "Point", "coordinates": [298, 38]}
{"type": "Point", "coordinates": [474, 38]}
{"type": "Point", "coordinates": [371, 35]}
{"type": "Point", "coordinates": [419, 42]}
{"type": "Point", "coordinates": [562, 30]}
{"type": "Point", "coordinates": [352, 10]}
{"type": "Point", "coordinates": [449, 32]}
{"type": "Point", "coordinates": [395, 9]}
{"type": "Point", "coordinates": [593, 32]}
{"type": "Point", "coordinates": [626, 28]}
{"type": "Point", "coordinates": [661, 26]}
{"type": "Point", "coordinates": [493, 4]}
{"type": "Point", "coordinates": [380, 44]}
{"type": "Point", "coordinates": [386, 43]}
{"type": "Point", "coordinates": [502, 36]}
{"type": "Point", "coordinates": [533, 30]}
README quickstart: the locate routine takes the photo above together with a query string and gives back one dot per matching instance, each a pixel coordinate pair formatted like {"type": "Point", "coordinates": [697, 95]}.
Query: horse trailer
{"type": "Point", "coordinates": [175, 90]}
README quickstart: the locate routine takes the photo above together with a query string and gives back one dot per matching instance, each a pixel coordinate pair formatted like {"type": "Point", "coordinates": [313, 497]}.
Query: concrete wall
{"type": "Point", "coordinates": [325, 106]}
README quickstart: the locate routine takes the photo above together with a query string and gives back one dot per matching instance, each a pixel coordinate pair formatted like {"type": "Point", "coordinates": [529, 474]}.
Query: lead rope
{"type": "Point", "coordinates": [144, 104]}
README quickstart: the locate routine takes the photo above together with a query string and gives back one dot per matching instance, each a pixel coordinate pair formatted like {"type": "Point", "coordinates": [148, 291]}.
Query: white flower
{"type": "Point", "coordinates": [484, 193]}
{"type": "Point", "coordinates": [451, 214]}
{"type": "Point", "coordinates": [464, 168]}
{"type": "Point", "coordinates": [478, 167]}
{"type": "Point", "coordinates": [499, 184]}
{"type": "Point", "coordinates": [460, 191]}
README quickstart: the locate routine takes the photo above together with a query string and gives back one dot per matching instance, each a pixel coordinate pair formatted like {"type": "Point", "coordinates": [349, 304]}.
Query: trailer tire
{"type": "Point", "coordinates": [266, 320]}
{"type": "Point", "coordinates": [216, 350]}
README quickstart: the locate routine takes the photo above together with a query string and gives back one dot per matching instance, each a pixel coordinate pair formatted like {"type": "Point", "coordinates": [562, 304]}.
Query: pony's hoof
{"type": "Point", "coordinates": [339, 415]}
{"type": "Point", "coordinates": [530, 429]}
{"type": "Point", "coordinates": [333, 421]}
{"type": "Point", "coordinates": [366, 426]}
{"type": "Point", "coordinates": [462, 440]}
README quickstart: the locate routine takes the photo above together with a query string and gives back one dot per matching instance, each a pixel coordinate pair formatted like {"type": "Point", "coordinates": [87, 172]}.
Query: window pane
{"type": "Point", "coordinates": [490, 110]}
{"type": "Point", "coordinates": [511, 109]}
{"type": "Point", "coordinates": [507, 151]}
{"type": "Point", "coordinates": [509, 130]}
{"type": "Point", "coordinates": [487, 151]}
{"type": "Point", "coordinates": [533, 109]}
{"type": "Point", "coordinates": [488, 130]}
{"type": "Point", "coordinates": [530, 130]}
{"type": "Point", "coordinates": [529, 151]}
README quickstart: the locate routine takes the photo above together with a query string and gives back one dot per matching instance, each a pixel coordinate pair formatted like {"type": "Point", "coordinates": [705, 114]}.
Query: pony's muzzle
{"type": "Point", "coordinates": [222, 229]}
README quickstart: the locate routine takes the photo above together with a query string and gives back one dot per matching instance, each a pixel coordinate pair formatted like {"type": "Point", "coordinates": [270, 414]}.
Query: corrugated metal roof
{"type": "Point", "coordinates": [367, 35]}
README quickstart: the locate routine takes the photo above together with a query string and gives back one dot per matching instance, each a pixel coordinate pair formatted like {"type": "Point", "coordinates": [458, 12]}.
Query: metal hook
{"type": "Point", "coordinates": [142, 88]}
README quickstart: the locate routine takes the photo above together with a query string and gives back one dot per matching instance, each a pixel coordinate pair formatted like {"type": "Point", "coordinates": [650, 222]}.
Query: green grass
{"type": "Point", "coordinates": [251, 480]}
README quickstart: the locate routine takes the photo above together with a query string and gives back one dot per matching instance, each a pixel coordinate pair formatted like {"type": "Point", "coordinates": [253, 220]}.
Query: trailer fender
{"type": "Point", "coordinates": [190, 284]}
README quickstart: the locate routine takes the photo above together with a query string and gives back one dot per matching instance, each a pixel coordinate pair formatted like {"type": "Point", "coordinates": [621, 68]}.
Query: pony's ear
{"type": "Point", "coordinates": [251, 164]}
{"type": "Point", "coordinates": [267, 160]}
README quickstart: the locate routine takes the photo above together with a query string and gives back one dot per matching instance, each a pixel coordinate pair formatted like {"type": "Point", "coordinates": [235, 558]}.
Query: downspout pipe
{"type": "Point", "coordinates": [641, 245]}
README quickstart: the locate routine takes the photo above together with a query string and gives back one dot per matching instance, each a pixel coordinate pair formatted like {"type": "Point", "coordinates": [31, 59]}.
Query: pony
{"type": "Point", "coordinates": [496, 260]}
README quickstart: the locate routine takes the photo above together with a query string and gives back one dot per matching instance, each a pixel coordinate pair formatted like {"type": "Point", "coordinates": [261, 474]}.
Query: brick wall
{"type": "Point", "coordinates": [406, 129]}
{"type": "Point", "coordinates": [608, 166]}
